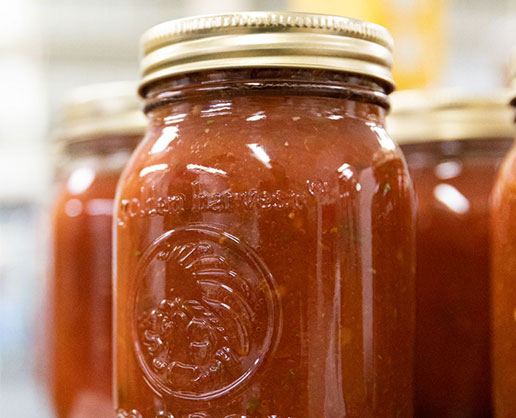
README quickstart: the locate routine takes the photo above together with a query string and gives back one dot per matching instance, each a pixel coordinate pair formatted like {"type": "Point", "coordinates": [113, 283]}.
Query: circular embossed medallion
{"type": "Point", "coordinates": [205, 312]}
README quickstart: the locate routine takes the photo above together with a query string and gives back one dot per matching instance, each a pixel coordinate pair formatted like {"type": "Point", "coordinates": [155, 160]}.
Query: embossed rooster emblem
{"type": "Point", "coordinates": [196, 339]}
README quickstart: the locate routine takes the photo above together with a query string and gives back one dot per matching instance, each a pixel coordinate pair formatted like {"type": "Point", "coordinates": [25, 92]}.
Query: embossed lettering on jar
{"type": "Point", "coordinates": [101, 126]}
{"type": "Point", "coordinates": [264, 228]}
{"type": "Point", "coordinates": [454, 144]}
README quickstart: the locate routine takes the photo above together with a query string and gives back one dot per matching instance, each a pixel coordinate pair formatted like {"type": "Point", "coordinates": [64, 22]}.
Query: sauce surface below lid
{"type": "Point", "coordinates": [101, 109]}
{"type": "Point", "coordinates": [266, 39]}
{"type": "Point", "coordinates": [445, 115]}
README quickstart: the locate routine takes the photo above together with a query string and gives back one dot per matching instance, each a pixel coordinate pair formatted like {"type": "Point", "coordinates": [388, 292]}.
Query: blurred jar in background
{"type": "Point", "coordinates": [102, 124]}
{"type": "Point", "coordinates": [453, 144]}
{"type": "Point", "coordinates": [265, 226]}
{"type": "Point", "coordinates": [503, 223]}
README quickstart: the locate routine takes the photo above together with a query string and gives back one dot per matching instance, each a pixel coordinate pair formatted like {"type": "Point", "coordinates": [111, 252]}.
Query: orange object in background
{"type": "Point", "coordinates": [503, 222]}
{"type": "Point", "coordinates": [101, 127]}
{"type": "Point", "coordinates": [264, 238]}
{"type": "Point", "coordinates": [454, 144]}
{"type": "Point", "coordinates": [417, 27]}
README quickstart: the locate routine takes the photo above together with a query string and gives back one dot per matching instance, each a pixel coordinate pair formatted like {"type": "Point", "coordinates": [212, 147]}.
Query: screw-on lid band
{"type": "Point", "coordinates": [266, 39]}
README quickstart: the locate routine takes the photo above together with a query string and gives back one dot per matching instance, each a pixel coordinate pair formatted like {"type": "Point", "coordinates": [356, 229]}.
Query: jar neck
{"type": "Point", "coordinates": [361, 96]}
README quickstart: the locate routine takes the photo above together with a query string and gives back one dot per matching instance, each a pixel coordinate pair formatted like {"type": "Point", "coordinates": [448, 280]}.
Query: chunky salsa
{"type": "Point", "coordinates": [265, 256]}
{"type": "Point", "coordinates": [265, 226]}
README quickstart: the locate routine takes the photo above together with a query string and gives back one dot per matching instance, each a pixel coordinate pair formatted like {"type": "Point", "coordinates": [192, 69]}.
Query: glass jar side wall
{"type": "Point", "coordinates": [295, 212]}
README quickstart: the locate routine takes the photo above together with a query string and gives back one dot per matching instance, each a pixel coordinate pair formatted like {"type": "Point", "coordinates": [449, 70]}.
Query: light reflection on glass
{"type": "Point", "coordinates": [168, 135]}
{"type": "Point", "coordinates": [260, 154]}
{"type": "Point", "coordinates": [73, 207]}
{"type": "Point", "coordinates": [257, 116]}
{"type": "Point", "coordinates": [153, 169]}
{"type": "Point", "coordinates": [385, 140]}
{"type": "Point", "coordinates": [217, 109]}
{"type": "Point", "coordinates": [202, 168]}
{"type": "Point", "coordinates": [80, 180]}
{"type": "Point", "coordinates": [174, 118]}
{"type": "Point", "coordinates": [451, 198]}
{"type": "Point", "coordinates": [448, 170]}
{"type": "Point", "coordinates": [345, 171]}
{"type": "Point", "coordinates": [99, 207]}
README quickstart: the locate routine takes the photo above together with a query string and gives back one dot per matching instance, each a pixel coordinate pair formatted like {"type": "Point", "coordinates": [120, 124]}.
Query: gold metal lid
{"type": "Point", "coordinates": [266, 39]}
{"type": "Point", "coordinates": [443, 115]}
{"type": "Point", "coordinates": [102, 109]}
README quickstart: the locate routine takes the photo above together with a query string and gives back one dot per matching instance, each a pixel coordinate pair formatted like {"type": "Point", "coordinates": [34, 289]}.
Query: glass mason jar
{"type": "Point", "coordinates": [264, 227]}
{"type": "Point", "coordinates": [101, 126]}
{"type": "Point", "coordinates": [503, 262]}
{"type": "Point", "coordinates": [454, 144]}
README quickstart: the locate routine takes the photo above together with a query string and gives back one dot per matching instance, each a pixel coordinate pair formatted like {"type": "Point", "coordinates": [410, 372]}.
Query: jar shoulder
{"type": "Point", "coordinates": [257, 152]}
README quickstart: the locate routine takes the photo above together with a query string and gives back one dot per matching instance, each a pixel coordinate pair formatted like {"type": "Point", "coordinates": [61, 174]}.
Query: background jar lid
{"type": "Point", "coordinates": [265, 40]}
{"type": "Point", "coordinates": [443, 115]}
{"type": "Point", "coordinates": [101, 109]}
